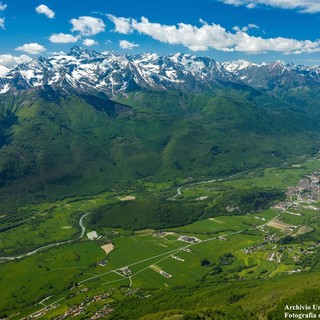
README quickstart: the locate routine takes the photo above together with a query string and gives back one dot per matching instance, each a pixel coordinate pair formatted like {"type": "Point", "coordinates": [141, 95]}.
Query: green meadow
{"type": "Point", "coordinates": [220, 225]}
{"type": "Point", "coordinates": [48, 223]}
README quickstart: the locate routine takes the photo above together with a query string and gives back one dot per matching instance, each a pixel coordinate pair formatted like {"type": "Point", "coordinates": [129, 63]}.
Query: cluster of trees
{"type": "Point", "coordinates": [308, 297]}
{"type": "Point", "coordinates": [242, 201]}
{"type": "Point", "coordinates": [222, 313]}
{"type": "Point", "coordinates": [146, 213]}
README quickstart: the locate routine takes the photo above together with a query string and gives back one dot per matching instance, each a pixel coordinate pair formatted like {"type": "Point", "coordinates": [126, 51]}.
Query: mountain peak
{"type": "Point", "coordinates": [78, 52]}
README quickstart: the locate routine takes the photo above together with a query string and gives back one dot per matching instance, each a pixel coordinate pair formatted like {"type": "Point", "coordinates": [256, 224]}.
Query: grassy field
{"type": "Point", "coordinates": [49, 223]}
{"type": "Point", "coordinates": [220, 224]}
{"type": "Point", "coordinates": [34, 278]}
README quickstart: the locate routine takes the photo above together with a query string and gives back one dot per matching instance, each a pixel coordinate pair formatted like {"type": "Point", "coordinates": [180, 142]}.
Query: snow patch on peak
{"type": "Point", "coordinates": [149, 56]}
{"type": "Point", "coordinates": [3, 70]}
{"type": "Point", "coordinates": [5, 88]}
{"type": "Point", "coordinates": [234, 66]}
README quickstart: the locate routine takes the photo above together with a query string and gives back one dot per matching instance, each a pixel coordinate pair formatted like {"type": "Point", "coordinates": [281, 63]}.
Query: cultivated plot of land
{"type": "Point", "coordinates": [127, 198]}
{"type": "Point", "coordinates": [275, 223]}
{"type": "Point", "coordinates": [107, 248]}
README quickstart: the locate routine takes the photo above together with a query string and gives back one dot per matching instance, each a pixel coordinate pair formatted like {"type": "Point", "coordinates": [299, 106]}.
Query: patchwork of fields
{"type": "Point", "coordinates": [253, 245]}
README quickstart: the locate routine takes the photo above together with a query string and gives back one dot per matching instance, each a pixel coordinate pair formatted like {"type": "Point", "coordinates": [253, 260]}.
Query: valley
{"type": "Point", "coordinates": [160, 160]}
{"type": "Point", "coordinates": [79, 278]}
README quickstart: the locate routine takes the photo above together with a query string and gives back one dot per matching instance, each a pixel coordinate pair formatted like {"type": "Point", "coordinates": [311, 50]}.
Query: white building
{"type": "Point", "coordinates": [92, 235]}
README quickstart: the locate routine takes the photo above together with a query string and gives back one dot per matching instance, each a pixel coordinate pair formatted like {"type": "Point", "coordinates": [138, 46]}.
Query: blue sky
{"type": "Point", "coordinates": [259, 30]}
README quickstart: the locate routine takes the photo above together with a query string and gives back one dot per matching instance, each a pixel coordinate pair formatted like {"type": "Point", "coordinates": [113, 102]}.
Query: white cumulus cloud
{"type": "Point", "coordinates": [3, 6]}
{"type": "Point", "coordinates": [122, 25]}
{"type": "Point", "coordinates": [305, 6]}
{"type": "Point", "coordinates": [43, 9]}
{"type": "Point", "coordinates": [9, 60]}
{"type": "Point", "coordinates": [87, 26]}
{"type": "Point", "coordinates": [193, 37]}
{"type": "Point", "coordinates": [213, 36]}
{"type": "Point", "coordinates": [124, 44]}
{"type": "Point", "coordinates": [246, 28]}
{"type": "Point", "coordinates": [2, 20]}
{"type": "Point", "coordinates": [63, 38]}
{"type": "Point", "coordinates": [31, 48]}
{"type": "Point", "coordinates": [89, 42]}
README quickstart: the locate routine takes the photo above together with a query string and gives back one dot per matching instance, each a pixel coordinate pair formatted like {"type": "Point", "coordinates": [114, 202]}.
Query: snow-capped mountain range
{"type": "Point", "coordinates": [113, 73]}
{"type": "Point", "coordinates": [269, 76]}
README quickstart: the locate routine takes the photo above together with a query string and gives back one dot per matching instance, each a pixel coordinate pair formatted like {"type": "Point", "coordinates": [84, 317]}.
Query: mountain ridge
{"type": "Point", "coordinates": [113, 73]}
